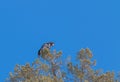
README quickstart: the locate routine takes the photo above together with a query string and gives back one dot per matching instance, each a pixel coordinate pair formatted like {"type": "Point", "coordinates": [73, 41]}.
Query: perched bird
{"type": "Point", "coordinates": [47, 45]}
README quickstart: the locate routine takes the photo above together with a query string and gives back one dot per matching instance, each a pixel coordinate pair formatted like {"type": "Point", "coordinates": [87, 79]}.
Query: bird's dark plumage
{"type": "Point", "coordinates": [47, 45]}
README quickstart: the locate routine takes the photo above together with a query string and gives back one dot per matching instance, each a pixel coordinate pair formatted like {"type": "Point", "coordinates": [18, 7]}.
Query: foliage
{"type": "Point", "coordinates": [49, 68]}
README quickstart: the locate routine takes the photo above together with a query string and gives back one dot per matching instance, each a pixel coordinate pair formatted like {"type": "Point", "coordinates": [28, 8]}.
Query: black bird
{"type": "Point", "coordinates": [47, 45]}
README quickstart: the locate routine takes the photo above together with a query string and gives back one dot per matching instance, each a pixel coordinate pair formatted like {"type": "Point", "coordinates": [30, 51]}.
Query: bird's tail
{"type": "Point", "coordinates": [39, 53]}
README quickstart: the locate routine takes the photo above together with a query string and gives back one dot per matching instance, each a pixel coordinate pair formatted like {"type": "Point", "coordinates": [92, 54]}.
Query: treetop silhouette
{"type": "Point", "coordinates": [49, 67]}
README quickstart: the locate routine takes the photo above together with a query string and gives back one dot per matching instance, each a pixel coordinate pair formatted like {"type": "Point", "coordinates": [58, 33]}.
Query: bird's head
{"type": "Point", "coordinates": [51, 43]}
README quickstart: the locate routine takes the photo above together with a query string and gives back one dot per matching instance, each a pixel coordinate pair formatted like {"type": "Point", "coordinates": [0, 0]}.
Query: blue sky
{"type": "Point", "coordinates": [72, 24]}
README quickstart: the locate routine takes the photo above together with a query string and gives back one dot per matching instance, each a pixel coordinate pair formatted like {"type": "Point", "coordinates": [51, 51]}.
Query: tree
{"type": "Point", "coordinates": [50, 68]}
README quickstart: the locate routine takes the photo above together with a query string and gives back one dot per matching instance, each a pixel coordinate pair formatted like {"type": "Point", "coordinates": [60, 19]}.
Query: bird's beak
{"type": "Point", "coordinates": [52, 44]}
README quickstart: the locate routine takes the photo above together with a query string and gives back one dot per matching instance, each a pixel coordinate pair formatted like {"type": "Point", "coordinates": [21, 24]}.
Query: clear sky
{"type": "Point", "coordinates": [72, 24]}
